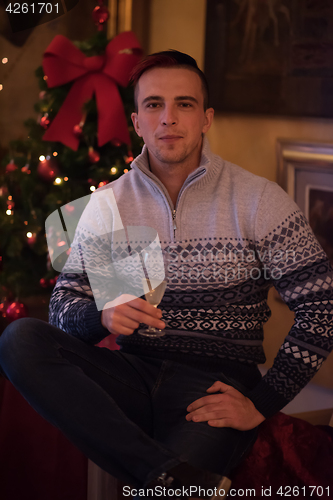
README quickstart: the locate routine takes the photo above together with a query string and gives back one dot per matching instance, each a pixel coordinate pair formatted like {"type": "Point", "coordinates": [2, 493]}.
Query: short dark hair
{"type": "Point", "coordinates": [168, 59]}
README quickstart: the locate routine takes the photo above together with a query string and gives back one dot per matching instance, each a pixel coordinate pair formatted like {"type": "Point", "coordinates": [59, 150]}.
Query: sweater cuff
{"type": "Point", "coordinates": [266, 399]}
{"type": "Point", "coordinates": [93, 323]}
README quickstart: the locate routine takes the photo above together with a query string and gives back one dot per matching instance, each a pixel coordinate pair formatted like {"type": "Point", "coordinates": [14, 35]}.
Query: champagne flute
{"type": "Point", "coordinates": [154, 290]}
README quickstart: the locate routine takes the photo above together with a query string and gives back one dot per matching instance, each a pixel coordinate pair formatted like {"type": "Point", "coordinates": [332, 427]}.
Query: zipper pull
{"type": "Point", "coordinates": [174, 223]}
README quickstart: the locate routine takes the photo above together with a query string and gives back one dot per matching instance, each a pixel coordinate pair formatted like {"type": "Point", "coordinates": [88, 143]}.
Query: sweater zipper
{"type": "Point", "coordinates": [174, 212]}
{"type": "Point", "coordinates": [174, 223]}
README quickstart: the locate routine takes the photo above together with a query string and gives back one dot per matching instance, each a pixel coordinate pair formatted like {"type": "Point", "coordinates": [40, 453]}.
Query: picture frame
{"type": "Point", "coordinates": [130, 15]}
{"type": "Point", "coordinates": [270, 57]}
{"type": "Point", "coordinates": [305, 172]}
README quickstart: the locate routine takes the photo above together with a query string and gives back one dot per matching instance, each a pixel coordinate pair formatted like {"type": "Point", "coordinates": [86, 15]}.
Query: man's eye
{"type": "Point", "coordinates": [185, 104]}
{"type": "Point", "coordinates": [153, 105]}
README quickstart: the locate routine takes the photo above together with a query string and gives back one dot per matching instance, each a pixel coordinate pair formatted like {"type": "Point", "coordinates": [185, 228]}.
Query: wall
{"type": "Point", "coordinates": [248, 141]}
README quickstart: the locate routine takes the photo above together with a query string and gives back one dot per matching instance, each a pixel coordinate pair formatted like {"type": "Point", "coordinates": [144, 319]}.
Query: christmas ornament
{"type": "Point", "coordinates": [77, 131]}
{"type": "Point", "coordinates": [31, 238]}
{"type": "Point", "coordinates": [47, 169]}
{"type": "Point", "coordinates": [11, 167]}
{"type": "Point", "coordinates": [93, 155]}
{"type": "Point", "coordinates": [100, 15]}
{"type": "Point", "coordinates": [99, 75]}
{"type": "Point", "coordinates": [16, 310]}
{"type": "Point", "coordinates": [128, 159]}
{"type": "Point", "coordinates": [26, 169]}
{"type": "Point", "coordinates": [4, 306]}
{"type": "Point", "coordinates": [44, 283]}
{"type": "Point", "coordinates": [45, 121]}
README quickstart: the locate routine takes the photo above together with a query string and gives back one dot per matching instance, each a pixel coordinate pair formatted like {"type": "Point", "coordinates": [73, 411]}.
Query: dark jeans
{"type": "Point", "coordinates": [125, 412]}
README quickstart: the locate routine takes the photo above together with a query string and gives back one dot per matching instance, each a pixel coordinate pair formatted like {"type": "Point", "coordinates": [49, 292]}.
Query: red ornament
{"type": "Point", "coordinates": [45, 121]}
{"type": "Point", "coordinates": [77, 131]}
{"type": "Point", "coordinates": [128, 159]}
{"type": "Point", "coordinates": [93, 155]}
{"type": "Point", "coordinates": [44, 283]}
{"type": "Point", "coordinates": [48, 170]}
{"type": "Point", "coordinates": [100, 15]}
{"type": "Point", "coordinates": [4, 306]}
{"type": "Point", "coordinates": [11, 167]}
{"type": "Point", "coordinates": [32, 239]}
{"type": "Point", "coordinates": [26, 169]}
{"type": "Point", "coordinates": [16, 310]}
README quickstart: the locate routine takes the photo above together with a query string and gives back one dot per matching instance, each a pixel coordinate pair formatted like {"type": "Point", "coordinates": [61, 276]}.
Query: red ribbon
{"type": "Point", "coordinates": [99, 75]}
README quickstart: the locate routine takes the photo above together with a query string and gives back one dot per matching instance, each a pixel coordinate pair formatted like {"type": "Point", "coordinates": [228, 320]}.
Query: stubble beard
{"type": "Point", "coordinates": [170, 155]}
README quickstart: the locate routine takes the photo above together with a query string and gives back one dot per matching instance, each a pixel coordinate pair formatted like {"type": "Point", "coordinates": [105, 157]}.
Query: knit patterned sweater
{"type": "Point", "coordinates": [231, 236]}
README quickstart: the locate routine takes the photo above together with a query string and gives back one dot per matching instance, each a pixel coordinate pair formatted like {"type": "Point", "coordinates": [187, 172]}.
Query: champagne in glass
{"type": "Point", "coordinates": [154, 291]}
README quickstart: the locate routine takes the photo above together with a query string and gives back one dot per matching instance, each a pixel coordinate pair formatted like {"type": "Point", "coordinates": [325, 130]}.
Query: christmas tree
{"type": "Point", "coordinates": [61, 160]}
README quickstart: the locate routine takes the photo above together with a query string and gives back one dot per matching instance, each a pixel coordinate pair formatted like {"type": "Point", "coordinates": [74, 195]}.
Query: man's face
{"type": "Point", "coordinates": [171, 116]}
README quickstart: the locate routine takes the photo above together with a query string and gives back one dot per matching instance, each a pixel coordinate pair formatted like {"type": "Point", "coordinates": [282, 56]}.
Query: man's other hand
{"type": "Point", "coordinates": [124, 318]}
{"type": "Point", "coordinates": [229, 409]}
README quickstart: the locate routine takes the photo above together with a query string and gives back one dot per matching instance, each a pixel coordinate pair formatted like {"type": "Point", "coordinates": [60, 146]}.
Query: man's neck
{"type": "Point", "coordinates": [173, 175]}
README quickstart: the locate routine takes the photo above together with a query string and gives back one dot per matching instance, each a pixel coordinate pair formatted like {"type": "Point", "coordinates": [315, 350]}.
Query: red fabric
{"type": "Point", "coordinates": [36, 461]}
{"type": "Point", "coordinates": [63, 63]}
{"type": "Point", "coordinates": [288, 452]}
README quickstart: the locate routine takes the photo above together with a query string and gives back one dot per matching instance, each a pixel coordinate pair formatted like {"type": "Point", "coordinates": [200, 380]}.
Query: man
{"type": "Point", "coordinates": [166, 411]}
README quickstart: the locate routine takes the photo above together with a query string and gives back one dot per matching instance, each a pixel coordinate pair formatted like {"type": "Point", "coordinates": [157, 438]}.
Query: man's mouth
{"type": "Point", "coordinates": [170, 137]}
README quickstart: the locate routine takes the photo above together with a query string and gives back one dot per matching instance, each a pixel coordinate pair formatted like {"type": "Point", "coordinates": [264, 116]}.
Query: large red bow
{"type": "Point", "coordinates": [63, 62]}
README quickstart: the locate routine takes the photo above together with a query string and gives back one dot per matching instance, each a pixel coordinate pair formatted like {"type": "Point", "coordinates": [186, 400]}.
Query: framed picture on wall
{"type": "Point", "coordinates": [305, 171]}
{"type": "Point", "coordinates": [270, 56]}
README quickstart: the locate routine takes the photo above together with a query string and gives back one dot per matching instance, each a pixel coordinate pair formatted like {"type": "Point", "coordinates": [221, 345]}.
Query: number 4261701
{"type": "Point", "coordinates": [38, 8]}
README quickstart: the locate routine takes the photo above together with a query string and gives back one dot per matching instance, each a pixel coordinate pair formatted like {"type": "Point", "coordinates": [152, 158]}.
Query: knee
{"type": "Point", "coordinates": [15, 340]}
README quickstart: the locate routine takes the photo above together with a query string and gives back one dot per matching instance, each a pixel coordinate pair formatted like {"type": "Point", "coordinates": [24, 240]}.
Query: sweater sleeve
{"type": "Point", "coordinates": [87, 281]}
{"type": "Point", "coordinates": [300, 271]}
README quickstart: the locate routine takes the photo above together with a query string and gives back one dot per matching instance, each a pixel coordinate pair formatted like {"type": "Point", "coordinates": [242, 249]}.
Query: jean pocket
{"type": "Point", "coordinates": [231, 381]}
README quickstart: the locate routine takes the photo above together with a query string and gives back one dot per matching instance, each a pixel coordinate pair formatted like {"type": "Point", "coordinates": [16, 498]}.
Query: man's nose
{"type": "Point", "coordinates": [169, 116]}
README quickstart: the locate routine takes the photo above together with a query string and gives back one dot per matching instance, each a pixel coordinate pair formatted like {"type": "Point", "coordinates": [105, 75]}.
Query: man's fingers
{"type": "Point", "coordinates": [124, 318]}
{"type": "Point", "coordinates": [222, 422]}
{"type": "Point", "coordinates": [209, 411]}
{"type": "Point", "coordinates": [218, 386]}
{"type": "Point", "coordinates": [206, 400]}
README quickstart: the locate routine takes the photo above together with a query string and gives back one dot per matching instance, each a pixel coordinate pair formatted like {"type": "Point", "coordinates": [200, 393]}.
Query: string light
{"type": "Point", "coordinates": [8, 212]}
{"type": "Point", "coordinates": [66, 179]}
{"type": "Point", "coordinates": [92, 188]}
{"type": "Point", "coordinates": [25, 222]}
{"type": "Point", "coordinates": [125, 170]}
{"type": "Point", "coordinates": [55, 153]}
{"type": "Point", "coordinates": [4, 60]}
{"type": "Point", "coordinates": [42, 158]}
{"type": "Point", "coordinates": [45, 77]}
{"type": "Point", "coordinates": [1, 86]}
{"type": "Point", "coordinates": [113, 170]}
{"type": "Point", "coordinates": [29, 234]}
{"type": "Point", "coordinates": [48, 157]}
{"type": "Point", "coordinates": [57, 181]}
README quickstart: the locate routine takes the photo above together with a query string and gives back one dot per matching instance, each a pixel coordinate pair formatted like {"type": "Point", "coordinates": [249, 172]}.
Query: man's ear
{"type": "Point", "coordinates": [209, 115]}
{"type": "Point", "coordinates": [135, 121]}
